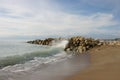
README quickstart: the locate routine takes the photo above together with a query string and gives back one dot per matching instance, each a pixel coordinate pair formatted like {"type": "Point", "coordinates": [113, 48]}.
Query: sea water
{"type": "Point", "coordinates": [22, 61]}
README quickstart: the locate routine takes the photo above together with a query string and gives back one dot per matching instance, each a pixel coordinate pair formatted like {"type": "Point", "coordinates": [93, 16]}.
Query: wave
{"type": "Point", "coordinates": [61, 44]}
{"type": "Point", "coordinates": [19, 59]}
{"type": "Point", "coordinates": [37, 63]}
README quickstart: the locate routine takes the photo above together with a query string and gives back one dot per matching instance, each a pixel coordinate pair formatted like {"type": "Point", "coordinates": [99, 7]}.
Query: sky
{"type": "Point", "coordinates": [59, 18]}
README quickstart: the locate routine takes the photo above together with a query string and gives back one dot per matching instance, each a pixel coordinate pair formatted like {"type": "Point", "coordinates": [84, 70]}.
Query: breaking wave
{"type": "Point", "coordinates": [47, 53]}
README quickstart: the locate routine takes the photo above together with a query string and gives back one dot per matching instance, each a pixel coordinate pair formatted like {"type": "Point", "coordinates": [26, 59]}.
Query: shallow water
{"type": "Point", "coordinates": [51, 71]}
{"type": "Point", "coordinates": [14, 52]}
{"type": "Point", "coordinates": [22, 61]}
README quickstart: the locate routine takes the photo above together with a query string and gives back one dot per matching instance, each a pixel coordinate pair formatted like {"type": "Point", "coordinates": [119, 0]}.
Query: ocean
{"type": "Point", "coordinates": [22, 61]}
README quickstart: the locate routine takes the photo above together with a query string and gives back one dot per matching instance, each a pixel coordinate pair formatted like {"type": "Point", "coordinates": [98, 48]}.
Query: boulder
{"type": "Point", "coordinates": [80, 44]}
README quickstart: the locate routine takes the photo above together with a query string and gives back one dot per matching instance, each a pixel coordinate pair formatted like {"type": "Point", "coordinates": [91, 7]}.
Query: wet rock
{"type": "Point", "coordinates": [80, 44]}
{"type": "Point", "coordinates": [112, 43]}
{"type": "Point", "coordinates": [47, 41]}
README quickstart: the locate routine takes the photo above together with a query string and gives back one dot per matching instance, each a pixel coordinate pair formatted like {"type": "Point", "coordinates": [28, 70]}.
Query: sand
{"type": "Point", "coordinates": [104, 65]}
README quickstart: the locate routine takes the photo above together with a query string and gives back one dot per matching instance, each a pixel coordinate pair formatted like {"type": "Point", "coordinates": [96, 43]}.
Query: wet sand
{"type": "Point", "coordinates": [104, 65]}
{"type": "Point", "coordinates": [57, 71]}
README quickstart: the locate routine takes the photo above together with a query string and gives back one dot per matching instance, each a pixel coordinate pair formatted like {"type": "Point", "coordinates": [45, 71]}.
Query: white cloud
{"type": "Point", "coordinates": [44, 19]}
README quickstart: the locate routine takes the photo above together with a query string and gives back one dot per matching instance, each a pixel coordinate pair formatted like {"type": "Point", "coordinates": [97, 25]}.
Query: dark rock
{"type": "Point", "coordinates": [47, 41]}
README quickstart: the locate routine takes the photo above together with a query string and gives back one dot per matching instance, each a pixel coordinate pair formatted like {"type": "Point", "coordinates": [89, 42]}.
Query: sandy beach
{"type": "Point", "coordinates": [104, 65]}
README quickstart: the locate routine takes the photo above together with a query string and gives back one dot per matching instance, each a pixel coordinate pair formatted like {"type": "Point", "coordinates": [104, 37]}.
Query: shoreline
{"type": "Point", "coordinates": [104, 65]}
{"type": "Point", "coordinates": [67, 65]}
{"type": "Point", "coordinates": [98, 63]}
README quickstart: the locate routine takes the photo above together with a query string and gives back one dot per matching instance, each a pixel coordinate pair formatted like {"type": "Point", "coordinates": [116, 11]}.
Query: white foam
{"type": "Point", "coordinates": [61, 44]}
{"type": "Point", "coordinates": [37, 62]}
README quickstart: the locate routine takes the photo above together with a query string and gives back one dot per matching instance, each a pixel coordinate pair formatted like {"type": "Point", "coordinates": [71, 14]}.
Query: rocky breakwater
{"type": "Point", "coordinates": [81, 45]}
{"type": "Point", "coordinates": [114, 42]}
{"type": "Point", "coordinates": [47, 41]}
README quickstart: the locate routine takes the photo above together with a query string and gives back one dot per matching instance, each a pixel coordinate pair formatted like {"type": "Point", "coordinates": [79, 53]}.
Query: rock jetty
{"type": "Point", "coordinates": [76, 44]}
{"type": "Point", "coordinates": [47, 41]}
{"type": "Point", "coordinates": [80, 44]}
{"type": "Point", "coordinates": [117, 43]}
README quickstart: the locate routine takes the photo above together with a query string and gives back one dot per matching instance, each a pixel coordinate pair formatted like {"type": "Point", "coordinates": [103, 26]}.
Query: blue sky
{"type": "Point", "coordinates": [48, 18]}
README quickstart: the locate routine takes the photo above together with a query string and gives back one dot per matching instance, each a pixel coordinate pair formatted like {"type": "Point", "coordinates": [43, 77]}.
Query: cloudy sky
{"type": "Point", "coordinates": [38, 18]}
